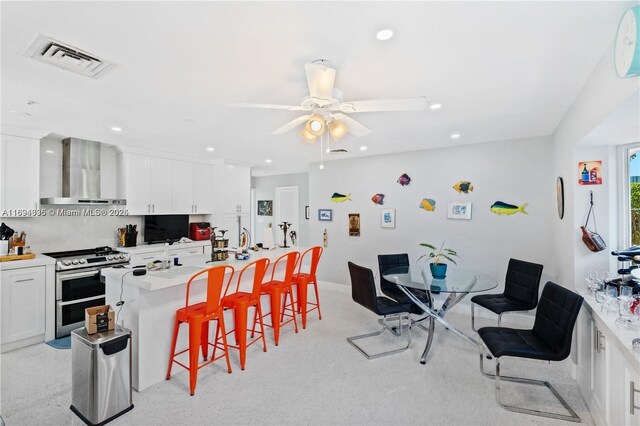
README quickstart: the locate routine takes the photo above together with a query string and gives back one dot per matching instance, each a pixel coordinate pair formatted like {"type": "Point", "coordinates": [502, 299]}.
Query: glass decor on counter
{"type": "Point", "coordinates": [616, 297]}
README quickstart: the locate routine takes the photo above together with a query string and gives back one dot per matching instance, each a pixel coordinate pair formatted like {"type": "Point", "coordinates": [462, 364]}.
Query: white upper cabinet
{"type": "Point", "coordinates": [236, 197]}
{"type": "Point", "coordinates": [20, 162]}
{"type": "Point", "coordinates": [137, 180]}
{"type": "Point", "coordinates": [202, 188]}
{"type": "Point", "coordinates": [157, 185]}
{"type": "Point", "coordinates": [182, 187]}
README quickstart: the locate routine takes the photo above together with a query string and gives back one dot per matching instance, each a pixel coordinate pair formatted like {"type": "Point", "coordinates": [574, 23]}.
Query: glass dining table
{"type": "Point", "coordinates": [457, 284]}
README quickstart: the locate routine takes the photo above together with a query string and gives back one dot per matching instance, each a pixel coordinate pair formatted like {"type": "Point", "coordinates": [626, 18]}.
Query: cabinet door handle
{"type": "Point", "coordinates": [147, 258]}
{"type": "Point", "coordinates": [196, 208]}
{"type": "Point", "coordinates": [148, 208]}
{"type": "Point", "coordinates": [25, 280]}
{"type": "Point", "coordinates": [600, 346]}
{"type": "Point", "coordinates": [632, 401]}
{"type": "Point", "coordinates": [153, 208]}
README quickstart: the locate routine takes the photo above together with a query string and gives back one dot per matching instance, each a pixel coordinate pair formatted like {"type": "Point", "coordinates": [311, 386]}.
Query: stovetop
{"type": "Point", "coordinates": [99, 256]}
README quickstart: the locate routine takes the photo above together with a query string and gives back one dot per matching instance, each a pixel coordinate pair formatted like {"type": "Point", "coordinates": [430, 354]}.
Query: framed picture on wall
{"type": "Point", "coordinates": [388, 218]}
{"type": "Point", "coordinates": [459, 211]}
{"type": "Point", "coordinates": [325, 215]}
{"type": "Point", "coordinates": [265, 207]}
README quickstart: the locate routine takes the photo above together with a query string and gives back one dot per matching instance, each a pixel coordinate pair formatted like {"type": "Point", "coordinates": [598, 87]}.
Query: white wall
{"type": "Point", "coordinates": [603, 93]}
{"type": "Point", "coordinates": [515, 172]}
{"type": "Point", "coordinates": [265, 189]}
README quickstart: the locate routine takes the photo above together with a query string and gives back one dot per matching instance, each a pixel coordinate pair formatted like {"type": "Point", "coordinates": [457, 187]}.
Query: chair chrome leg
{"type": "Point", "coordinates": [572, 417]}
{"type": "Point", "coordinates": [473, 317]}
{"type": "Point", "coordinates": [406, 316]}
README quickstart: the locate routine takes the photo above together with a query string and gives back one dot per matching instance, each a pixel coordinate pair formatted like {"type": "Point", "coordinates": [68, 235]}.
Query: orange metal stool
{"type": "Point", "coordinates": [240, 302]}
{"type": "Point", "coordinates": [302, 280]}
{"type": "Point", "coordinates": [276, 289]}
{"type": "Point", "coordinates": [198, 316]}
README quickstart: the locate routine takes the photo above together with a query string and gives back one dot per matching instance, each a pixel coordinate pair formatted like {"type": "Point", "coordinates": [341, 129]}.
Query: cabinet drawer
{"type": "Point", "coordinates": [23, 303]}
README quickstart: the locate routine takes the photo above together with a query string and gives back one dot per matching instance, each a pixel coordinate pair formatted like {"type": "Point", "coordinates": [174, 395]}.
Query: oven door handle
{"type": "Point", "coordinates": [88, 299]}
{"type": "Point", "coordinates": [69, 276]}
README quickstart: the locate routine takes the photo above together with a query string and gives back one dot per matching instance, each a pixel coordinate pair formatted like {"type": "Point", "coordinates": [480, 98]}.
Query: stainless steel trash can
{"type": "Point", "coordinates": [101, 374]}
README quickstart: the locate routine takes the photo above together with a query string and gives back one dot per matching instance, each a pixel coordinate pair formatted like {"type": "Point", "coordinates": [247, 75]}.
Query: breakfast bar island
{"type": "Point", "coordinates": [151, 301]}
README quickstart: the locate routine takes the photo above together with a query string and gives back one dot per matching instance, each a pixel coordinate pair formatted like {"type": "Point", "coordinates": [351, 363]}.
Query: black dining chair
{"type": "Point", "coordinates": [363, 292]}
{"type": "Point", "coordinates": [520, 291]}
{"type": "Point", "coordinates": [548, 340]}
{"type": "Point", "coordinates": [390, 261]}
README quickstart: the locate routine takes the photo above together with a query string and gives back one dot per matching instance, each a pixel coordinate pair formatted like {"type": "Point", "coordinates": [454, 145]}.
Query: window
{"type": "Point", "coordinates": [633, 182]}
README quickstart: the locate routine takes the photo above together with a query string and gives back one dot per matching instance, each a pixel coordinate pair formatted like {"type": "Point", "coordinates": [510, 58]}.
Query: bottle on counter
{"type": "Point", "coordinates": [166, 262]}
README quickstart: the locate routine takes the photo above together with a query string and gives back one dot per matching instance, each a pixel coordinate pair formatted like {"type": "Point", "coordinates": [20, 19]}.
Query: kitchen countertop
{"type": "Point", "coordinates": [39, 260]}
{"type": "Point", "coordinates": [148, 248]}
{"type": "Point", "coordinates": [179, 275]}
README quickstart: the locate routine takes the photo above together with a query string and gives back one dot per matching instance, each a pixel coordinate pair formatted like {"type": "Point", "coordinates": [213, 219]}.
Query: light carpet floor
{"type": "Point", "coordinates": [313, 377]}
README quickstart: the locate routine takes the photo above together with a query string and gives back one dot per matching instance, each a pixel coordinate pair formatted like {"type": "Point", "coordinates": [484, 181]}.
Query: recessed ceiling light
{"type": "Point", "coordinates": [435, 106]}
{"type": "Point", "coordinates": [455, 136]}
{"type": "Point", "coordinates": [385, 34]}
{"type": "Point", "coordinates": [267, 160]}
{"type": "Point", "coordinates": [49, 151]}
{"type": "Point", "coordinates": [321, 167]}
{"type": "Point", "coordinates": [363, 148]}
{"type": "Point", "coordinates": [327, 150]}
{"type": "Point", "coordinates": [116, 129]}
{"type": "Point", "coordinates": [211, 149]}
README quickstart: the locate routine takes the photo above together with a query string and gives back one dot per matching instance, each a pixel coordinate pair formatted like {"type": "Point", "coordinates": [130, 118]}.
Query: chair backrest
{"type": "Point", "coordinates": [215, 281]}
{"type": "Point", "coordinates": [556, 315]}
{"type": "Point", "coordinates": [386, 262]}
{"type": "Point", "coordinates": [363, 287]}
{"type": "Point", "coordinates": [523, 281]}
{"type": "Point", "coordinates": [259, 268]}
{"type": "Point", "coordinates": [315, 253]}
{"type": "Point", "coordinates": [291, 261]}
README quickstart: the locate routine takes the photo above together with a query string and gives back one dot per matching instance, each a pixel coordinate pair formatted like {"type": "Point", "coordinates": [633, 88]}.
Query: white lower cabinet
{"type": "Point", "coordinates": [138, 259]}
{"type": "Point", "coordinates": [606, 376]}
{"type": "Point", "coordinates": [23, 305]}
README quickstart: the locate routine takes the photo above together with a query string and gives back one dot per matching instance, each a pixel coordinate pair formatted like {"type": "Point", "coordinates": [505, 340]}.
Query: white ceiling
{"type": "Point", "coordinates": [502, 70]}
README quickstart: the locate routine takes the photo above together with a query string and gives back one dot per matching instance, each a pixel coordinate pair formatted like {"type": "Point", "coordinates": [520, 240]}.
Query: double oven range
{"type": "Point", "coordinates": [78, 283]}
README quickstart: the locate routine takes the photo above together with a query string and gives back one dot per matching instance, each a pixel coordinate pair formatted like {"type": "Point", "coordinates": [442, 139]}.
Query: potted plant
{"type": "Point", "coordinates": [438, 268]}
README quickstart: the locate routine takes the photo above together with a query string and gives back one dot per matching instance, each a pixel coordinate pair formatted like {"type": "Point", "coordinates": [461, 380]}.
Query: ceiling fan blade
{"type": "Point", "coordinates": [320, 79]}
{"type": "Point", "coordinates": [291, 125]}
{"type": "Point", "coordinates": [271, 106]}
{"type": "Point", "coordinates": [355, 128]}
{"type": "Point", "coordinates": [404, 104]}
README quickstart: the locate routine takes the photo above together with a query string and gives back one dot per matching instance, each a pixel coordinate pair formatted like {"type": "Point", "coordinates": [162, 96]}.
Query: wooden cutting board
{"type": "Point", "coordinates": [17, 257]}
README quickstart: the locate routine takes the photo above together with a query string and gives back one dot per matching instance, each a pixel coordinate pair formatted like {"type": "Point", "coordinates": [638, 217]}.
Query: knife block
{"type": "Point", "coordinates": [130, 239]}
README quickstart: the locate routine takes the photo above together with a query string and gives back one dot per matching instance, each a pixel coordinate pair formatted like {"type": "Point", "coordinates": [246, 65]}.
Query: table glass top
{"type": "Point", "coordinates": [456, 281]}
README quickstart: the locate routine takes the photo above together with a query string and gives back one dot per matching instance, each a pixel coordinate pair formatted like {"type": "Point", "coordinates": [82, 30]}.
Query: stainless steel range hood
{"type": "Point", "coordinates": [81, 175]}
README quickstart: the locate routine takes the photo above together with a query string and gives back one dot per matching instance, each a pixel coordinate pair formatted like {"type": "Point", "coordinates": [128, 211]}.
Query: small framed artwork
{"type": "Point", "coordinates": [354, 224]}
{"type": "Point", "coordinates": [325, 215]}
{"type": "Point", "coordinates": [590, 173]}
{"type": "Point", "coordinates": [265, 207]}
{"type": "Point", "coordinates": [388, 218]}
{"type": "Point", "coordinates": [306, 212]}
{"type": "Point", "coordinates": [459, 211]}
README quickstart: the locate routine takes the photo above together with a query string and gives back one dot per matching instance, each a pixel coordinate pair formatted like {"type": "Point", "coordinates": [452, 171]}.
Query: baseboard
{"type": "Point", "coordinates": [12, 346]}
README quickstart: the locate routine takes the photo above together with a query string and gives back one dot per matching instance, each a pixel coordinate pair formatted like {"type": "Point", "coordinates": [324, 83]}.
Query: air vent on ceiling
{"type": "Point", "coordinates": [67, 57]}
{"type": "Point", "coordinates": [338, 151]}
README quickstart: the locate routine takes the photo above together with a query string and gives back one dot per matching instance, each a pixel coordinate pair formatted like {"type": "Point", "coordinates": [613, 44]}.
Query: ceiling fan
{"type": "Point", "coordinates": [327, 109]}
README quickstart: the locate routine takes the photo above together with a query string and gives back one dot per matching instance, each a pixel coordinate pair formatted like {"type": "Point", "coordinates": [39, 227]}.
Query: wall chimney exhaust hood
{"type": "Point", "coordinates": [81, 175]}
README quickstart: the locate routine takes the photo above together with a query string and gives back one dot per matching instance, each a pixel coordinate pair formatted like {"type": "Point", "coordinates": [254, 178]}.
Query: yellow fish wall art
{"type": "Point", "coordinates": [428, 204]}
{"type": "Point", "coordinates": [463, 186]}
{"type": "Point", "coordinates": [503, 208]}
{"type": "Point", "coordinates": [340, 198]}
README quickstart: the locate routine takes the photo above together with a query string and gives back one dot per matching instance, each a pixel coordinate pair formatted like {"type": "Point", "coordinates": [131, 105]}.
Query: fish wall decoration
{"type": "Point", "coordinates": [340, 198]}
{"type": "Point", "coordinates": [428, 204]}
{"type": "Point", "coordinates": [378, 199]}
{"type": "Point", "coordinates": [503, 208]}
{"type": "Point", "coordinates": [404, 179]}
{"type": "Point", "coordinates": [463, 186]}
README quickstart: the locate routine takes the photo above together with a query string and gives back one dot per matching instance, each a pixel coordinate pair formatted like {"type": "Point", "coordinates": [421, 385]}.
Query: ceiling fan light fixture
{"type": "Point", "coordinates": [309, 137]}
{"type": "Point", "coordinates": [337, 129]}
{"type": "Point", "coordinates": [315, 125]}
